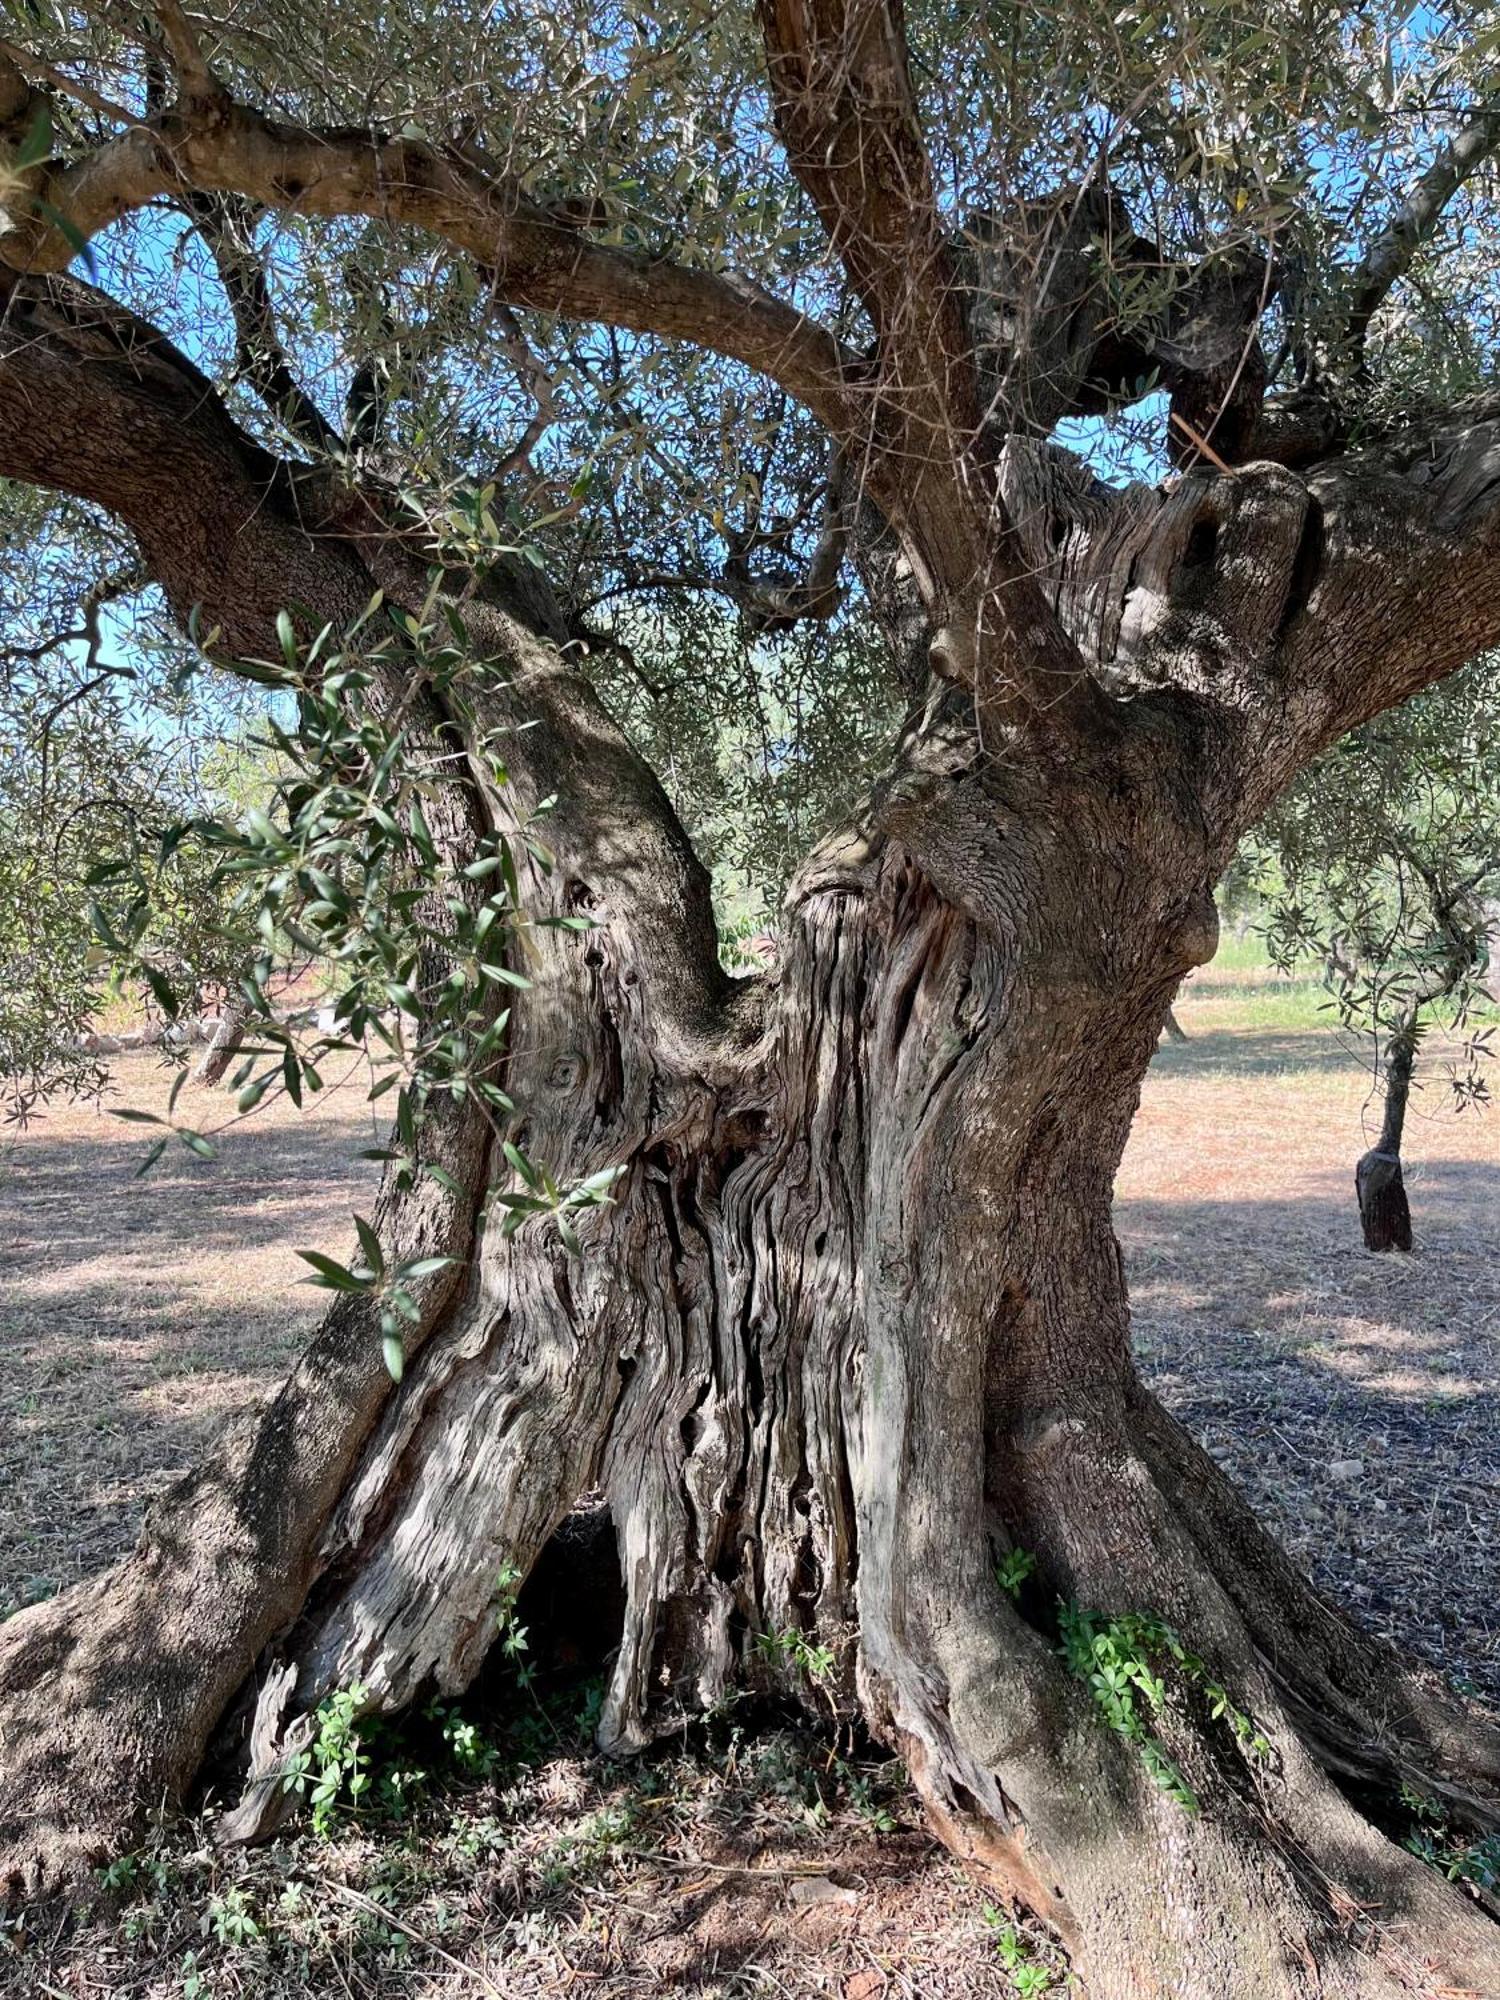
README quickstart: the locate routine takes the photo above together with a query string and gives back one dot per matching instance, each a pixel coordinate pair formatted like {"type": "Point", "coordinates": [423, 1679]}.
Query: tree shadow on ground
{"type": "Point", "coordinates": [1354, 1397]}
{"type": "Point", "coordinates": [1265, 1052]}
{"type": "Point", "coordinates": [136, 1313]}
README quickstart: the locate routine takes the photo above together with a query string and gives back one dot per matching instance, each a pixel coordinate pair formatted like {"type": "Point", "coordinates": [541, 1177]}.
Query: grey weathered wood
{"type": "Point", "coordinates": [856, 1323]}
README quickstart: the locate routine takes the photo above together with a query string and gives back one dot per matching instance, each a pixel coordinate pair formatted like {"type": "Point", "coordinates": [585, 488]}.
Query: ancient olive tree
{"type": "Point", "coordinates": [847, 1352]}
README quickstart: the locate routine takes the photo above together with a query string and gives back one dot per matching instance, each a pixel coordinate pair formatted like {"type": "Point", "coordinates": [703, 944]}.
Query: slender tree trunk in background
{"type": "Point", "coordinates": [224, 1044]}
{"type": "Point", "coordinates": [855, 1330]}
{"type": "Point", "coordinates": [1172, 1028]}
{"type": "Point", "coordinates": [1384, 1213]}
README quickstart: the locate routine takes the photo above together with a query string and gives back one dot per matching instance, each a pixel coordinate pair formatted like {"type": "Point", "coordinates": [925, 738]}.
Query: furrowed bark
{"type": "Point", "coordinates": [110, 1692]}
{"type": "Point", "coordinates": [108, 1695]}
{"type": "Point", "coordinates": [855, 1328]}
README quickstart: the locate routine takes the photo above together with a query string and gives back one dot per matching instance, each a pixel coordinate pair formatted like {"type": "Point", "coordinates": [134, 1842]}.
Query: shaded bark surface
{"type": "Point", "coordinates": [1384, 1211]}
{"type": "Point", "coordinates": [224, 1045]}
{"type": "Point", "coordinates": [855, 1328]}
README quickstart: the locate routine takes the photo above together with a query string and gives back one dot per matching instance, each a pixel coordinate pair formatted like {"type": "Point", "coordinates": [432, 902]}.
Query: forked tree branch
{"type": "Point", "coordinates": [902, 425]}
{"type": "Point", "coordinates": [900, 417]}
{"type": "Point", "coordinates": [533, 378]}
{"type": "Point", "coordinates": [227, 226]}
{"type": "Point", "coordinates": [847, 114]}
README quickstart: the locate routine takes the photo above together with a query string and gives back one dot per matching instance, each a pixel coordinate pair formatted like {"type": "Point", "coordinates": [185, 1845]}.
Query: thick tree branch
{"type": "Point", "coordinates": [1402, 586]}
{"type": "Point", "coordinates": [537, 256]}
{"type": "Point", "coordinates": [1390, 257]}
{"type": "Point", "coordinates": [847, 114]}
{"type": "Point", "coordinates": [97, 403]}
{"type": "Point", "coordinates": [180, 39]}
{"type": "Point", "coordinates": [1290, 606]}
{"type": "Point", "coordinates": [902, 426]}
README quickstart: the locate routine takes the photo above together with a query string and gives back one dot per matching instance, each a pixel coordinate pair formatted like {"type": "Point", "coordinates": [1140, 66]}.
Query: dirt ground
{"type": "Point", "coordinates": [136, 1312]}
{"type": "Point", "coordinates": [1353, 1396]}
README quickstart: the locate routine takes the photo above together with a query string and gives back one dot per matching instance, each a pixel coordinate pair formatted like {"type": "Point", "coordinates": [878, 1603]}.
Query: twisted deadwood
{"type": "Point", "coordinates": [857, 1322]}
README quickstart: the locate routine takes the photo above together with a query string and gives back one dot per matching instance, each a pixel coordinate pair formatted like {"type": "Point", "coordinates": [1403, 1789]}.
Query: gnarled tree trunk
{"type": "Point", "coordinates": [855, 1329]}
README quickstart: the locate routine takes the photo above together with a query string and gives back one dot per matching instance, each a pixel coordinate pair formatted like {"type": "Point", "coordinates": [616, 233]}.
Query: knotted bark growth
{"type": "Point", "coordinates": [854, 1335]}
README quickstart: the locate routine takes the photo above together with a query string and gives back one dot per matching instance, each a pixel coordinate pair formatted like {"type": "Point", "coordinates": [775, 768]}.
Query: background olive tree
{"type": "Point", "coordinates": [1381, 862]}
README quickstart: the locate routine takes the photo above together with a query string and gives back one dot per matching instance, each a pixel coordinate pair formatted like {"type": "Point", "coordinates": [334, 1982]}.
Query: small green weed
{"type": "Point", "coordinates": [1027, 1975]}
{"type": "Point", "coordinates": [511, 1632]}
{"type": "Point", "coordinates": [122, 1874]}
{"type": "Point", "coordinates": [796, 1649]}
{"type": "Point", "coordinates": [1432, 1840]}
{"type": "Point", "coordinates": [471, 1751]}
{"type": "Point", "coordinates": [579, 1854]}
{"type": "Point", "coordinates": [1476, 1861]}
{"type": "Point", "coordinates": [357, 1760]}
{"type": "Point", "coordinates": [135, 1874]}
{"type": "Point", "coordinates": [1013, 1569]}
{"type": "Point", "coordinates": [863, 1800]}
{"type": "Point", "coordinates": [230, 1919]}
{"type": "Point", "coordinates": [590, 1708]}
{"type": "Point", "coordinates": [336, 1764]}
{"type": "Point", "coordinates": [1114, 1658]}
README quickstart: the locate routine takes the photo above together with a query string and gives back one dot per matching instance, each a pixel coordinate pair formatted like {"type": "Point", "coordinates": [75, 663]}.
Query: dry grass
{"type": "Point", "coordinates": [756, 1862]}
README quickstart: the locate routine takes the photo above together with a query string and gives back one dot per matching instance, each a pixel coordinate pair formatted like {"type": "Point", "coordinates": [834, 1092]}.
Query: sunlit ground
{"type": "Point", "coordinates": [1354, 1397]}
